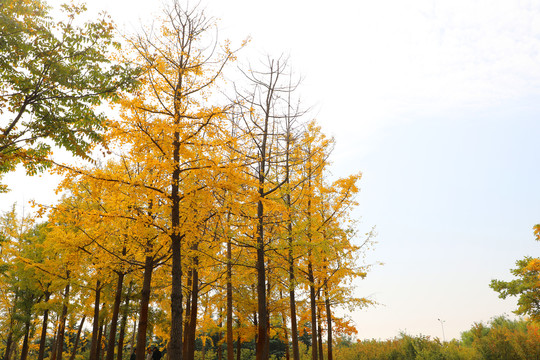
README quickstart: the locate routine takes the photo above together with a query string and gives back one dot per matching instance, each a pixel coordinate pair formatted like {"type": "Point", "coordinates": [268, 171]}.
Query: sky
{"type": "Point", "coordinates": [437, 104]}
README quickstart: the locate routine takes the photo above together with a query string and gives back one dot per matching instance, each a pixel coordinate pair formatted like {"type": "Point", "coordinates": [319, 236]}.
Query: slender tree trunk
{"type": "Point", "coordinates": [329, 325]}
{"type": "Point", "coordinates": [319, 332]}
{"type": "Point", "coordinates": [230, 345]}
{"type": "Point", "coordinates": [220, 334]}
{"type": "Point", "coordinates": [62, 327]}
{"type": "Point", "coordinates": [187, 318]}
{"type": "Point", "coordinates": [77, 338]}
{"type": "Point", "coordinates": [9, 341]}
{"type": "Point", "coordinates": [287, 345]}
{"type": "Point", "coordinates": [43, 338]}
{"type": "Point", "coordinates": [313, 305]}
{"type": "Point", "coordinates": [9, 344]}
{"type": "Point", "coordinates": [239, 347]}
{"type": "Point", "coordinates": [55, 340]}
{"type": "Point", "coordinates": [193, 313]}
{"type": "Point", "coordinates": [175, 342]}
{"type": "Point", "coordinates": [292, 298]}
{"type": "Point", "coordinates": [95, 323]}
{"type": "Point", "coordinates": [143, 312]}
{"type": "Point", "coordinates": [100, 338]}
{"type": "Point", "coordinates": [123, 325]}
{"type": "Point", "coordinates": [27, 323]}
{"type": "Point", "coordinates": [115, 313]}
{"type": "Point", "coordinates": [133, 335]}
{"type": "Point", "coordinates": [262, 350]}
{"type": "Point", "coordinates": [106, 329]}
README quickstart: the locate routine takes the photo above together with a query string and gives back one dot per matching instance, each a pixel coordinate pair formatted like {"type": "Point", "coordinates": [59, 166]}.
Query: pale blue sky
{"type": "Point", "coordinates": [437, 103]}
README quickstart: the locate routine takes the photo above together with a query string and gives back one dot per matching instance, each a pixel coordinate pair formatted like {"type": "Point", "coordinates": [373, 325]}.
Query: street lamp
{"type": "Point", "coordinates": [442, 326]}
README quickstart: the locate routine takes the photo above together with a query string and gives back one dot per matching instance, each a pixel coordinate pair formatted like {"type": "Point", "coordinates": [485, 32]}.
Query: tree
{"type": "Point", "coordinates": [53, 74]}
{"type": "Point", "coordinates": [527, 286]}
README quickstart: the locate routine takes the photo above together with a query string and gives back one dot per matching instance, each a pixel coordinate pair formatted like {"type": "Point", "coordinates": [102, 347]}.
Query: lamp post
{"type": "Point", "coordinates": [442, 326]}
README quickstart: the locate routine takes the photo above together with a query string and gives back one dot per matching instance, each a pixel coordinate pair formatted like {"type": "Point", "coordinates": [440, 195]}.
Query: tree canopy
{"type": "Point", "coordinates": [53, 75]}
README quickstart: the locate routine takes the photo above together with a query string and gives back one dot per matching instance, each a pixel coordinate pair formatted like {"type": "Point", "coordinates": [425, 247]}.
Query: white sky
{"type": "Point", "coordinates": [437, 103]}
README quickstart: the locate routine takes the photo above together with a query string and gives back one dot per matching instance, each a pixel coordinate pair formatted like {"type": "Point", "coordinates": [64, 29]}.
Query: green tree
{"type": "Point", "coordinates": [53, 75]}
{"type": "Point", "coordinates": [526, 287]}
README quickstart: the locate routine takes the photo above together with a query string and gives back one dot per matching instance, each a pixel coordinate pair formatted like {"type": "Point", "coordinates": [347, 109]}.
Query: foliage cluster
{"type": "Point", "coordinates": [501, 339]}
{"type": "Point", "coordinates": [212, 215]}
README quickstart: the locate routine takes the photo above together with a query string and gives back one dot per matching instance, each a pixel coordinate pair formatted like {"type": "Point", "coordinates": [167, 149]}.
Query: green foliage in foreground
{"type": "Point", "coordinates": [500, 339]}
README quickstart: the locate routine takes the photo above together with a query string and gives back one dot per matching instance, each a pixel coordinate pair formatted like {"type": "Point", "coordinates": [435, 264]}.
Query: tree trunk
{"type": "Point", "coordinates": [194, 304]}
{"type": "Point", "coordinates": [175, 342]}
{"type": "Point", "coordinates": [219, 347]}
{"type": "Point", "coordinates": [123, 325]}
{"type": "Point", "coordinates": [313, 305]}
{"type": "Point", "coordinates": [230, 345]}
{"type": "Point", "coordinates": [106, 328]}
{"type": "Point", "coordinates": [62, 326]}
{"type": "Point", "coordinates": [239, 347]}
{"type": "Point", "coordinates": [100, 338]}
{"type": "Point", "coordinates": [43, 338]}
{"type": "Point", "coordinates": [55, 341]}
{"type": "Point", "coordinates": [133, 336]}
{"type": "Point", "coordinates": [262, 350]}
{"type": "Point", "coordinates": [9, 341]}
{"type": "Point", "coordinates": [9, 344]}
{"type": "Point", "coordinates": [143, 312]}
{"type": "Point", "coordinates": [188, 314]}
{"type": "Point", "coordinates": [77, 338]}
{"type": "Point", "coordinates": [116, 311]}
{"type": "Point", "coordinates": [27, 323]}
{"type": "Point", "coordinates": [319, 332]}
{"type": "Point", "coordinates": [95, 324]}
{"type": "Point", "coordinates": [329, 326]}
{"type": "Point", "coordinates": [292, 299]}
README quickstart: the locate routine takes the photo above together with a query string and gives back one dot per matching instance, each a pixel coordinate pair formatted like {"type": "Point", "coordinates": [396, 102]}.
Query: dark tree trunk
{"type": "Point", "coordinates": [292, 299]}
{"type": "Point", "coordinates": [313, 305]}
{"type": "Point", "coordinates": [239, 347]}
{"type": "Point", "coordinates": [9, 344]}
{"type": "Point", "coordinates": [319, 332]}
{"type": "Point", "coordinates": [262, 350]}
{"type": "Point", "coordinates": [9, 341]}
{"type": "Point", "coordinates": [123, 325]}
{"type": "Point", "coordinates": [95, 323]}
{"type": "Point", "coordinates": [230, 345]}
{"type": "Point", "coordinates": [175, 342]}
{"type": "Point", "coordinates": [143, 312]}
{"type": "Point", "coordinates": [193, 312]}
{"type": "Point", "coordinates": [292, 279]}
{"type": "Point", "coordinates": [62, 326]}
{"type": "Point", "coordinates": [100, 338]}
{"type": "Point", "coordinates": [115, 313]}
{"type": "Point", "coordinates": [105, 326]}
{"type": "Point", "coordinates": [133, 336]}
{"type": "Point", "coordinates": [43, 338]}
{"type": "Point", "coordinates": [220, 334]}
{"type": "Point", "coordinates": [55, 342]}
{"type": "Point", "coordinates": [286, 333]}
{"type": "Point", "coordinates": [188, 314]}
{"type": "Point", "coordinates": [77, 338]}
{"type": "Point", "coordinates": [27, 323]}
{"type": "Point", "coordinates": [329, 325]}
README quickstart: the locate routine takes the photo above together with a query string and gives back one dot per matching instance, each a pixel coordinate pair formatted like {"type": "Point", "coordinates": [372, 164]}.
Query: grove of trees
{"type": "Point", "coordinates": [202, 216]}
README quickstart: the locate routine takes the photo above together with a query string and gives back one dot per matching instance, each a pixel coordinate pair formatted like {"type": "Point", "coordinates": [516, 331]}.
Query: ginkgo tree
{"type": "Point", "coordinates": [169, 125]}
{"type": "Point", "coordinates": [218, 211]}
